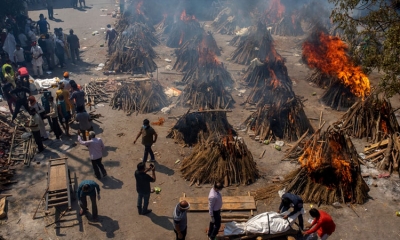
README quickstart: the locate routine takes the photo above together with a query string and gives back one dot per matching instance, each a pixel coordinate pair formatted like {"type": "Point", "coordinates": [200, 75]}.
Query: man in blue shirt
{"type": "Point", "coordinates": [292, 200]}
{"type": "Point", "coordinates": [43, 24]}
{"type": "Point", "coordinates": [88, 188]}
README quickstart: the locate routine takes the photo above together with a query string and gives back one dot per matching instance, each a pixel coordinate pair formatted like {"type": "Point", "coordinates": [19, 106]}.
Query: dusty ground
{"type": "Point", "coordinates": [117, 208]}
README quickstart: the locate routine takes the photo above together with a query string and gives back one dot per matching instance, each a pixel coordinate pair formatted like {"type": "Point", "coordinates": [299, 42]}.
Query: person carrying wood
{"type": "Point", "coordinates": [180, 219]}
{"type": "Point", "coordinates": [323, 225]}
{"type": "Point", "coordinates": [214, 208]}
{"type": "Point", "coordinates": [88, 188]}
{"type": "Point", "coordinates": [292, 200]}
{"type": "Point", "coordinates": [147, 133]}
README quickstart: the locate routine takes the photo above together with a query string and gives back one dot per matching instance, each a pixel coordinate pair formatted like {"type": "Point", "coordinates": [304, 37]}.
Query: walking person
{"type": "Point", "coordinates": [39, 109]}
{"type": "Point", "coordinates": [96, 148]}
{"type": "Point", "coordinates": [214, 209]}
{"type": "Point", "coordinates": [111, 35]}
{"type": "Point", "coordinates": [84, 120]}
{"type": "Point", "coordinates": [74, 45]}
{"type": "Point", "coordinates": [59, 50]}
{"type": "Point", "coordinates": [6, 88]}
{"type": "Point", "coordinates": [43, 25]}
{"type": "Point", "coordinates": [35, 129]}
{"type": "Point", "coordinates": [143, 189]}
{"type": "Point", "coordinates": [322, 224]}
{"type": "Point", "coordinates": [80, 3]}
{"type": "Point", "coordinates": [64, 114]}
{"type": "Point", "coordinates": [21, 99]}
{"type": "Point", "coordinates": [50, 9]}
{"type": "Point", "coordinates": [149, 136]}
{"type": "Point", "coordinates": [88, 188]}
{"type": "Point", "coordinates": [53, 114]}
{"type": "Point", "coordinates": [292, 200]}
{"type": "Point", "coordinates": [180, 219]}
{"type": "Point", "coordinates": [37, 60]}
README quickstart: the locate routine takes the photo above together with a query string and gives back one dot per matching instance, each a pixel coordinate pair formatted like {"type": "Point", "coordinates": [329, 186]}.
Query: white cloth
{"type": "Point", "coordinates": [36, 52]}
{"type": "Point", "coordinates": [19, 55]}
{"type": "Point", "coordinates": [9, 46]}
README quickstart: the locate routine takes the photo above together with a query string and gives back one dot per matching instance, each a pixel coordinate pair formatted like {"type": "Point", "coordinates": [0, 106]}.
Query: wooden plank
{"type": "Point", "coordinates": [383, 143]}
{"type": "Point", "coordinates": [58, 204]}
{"type": "Point", "coordinates": [57, 178]}
{"type": "Point", "coordinates": [228, 203]}
{"type": "Point", "coordinates": [3, 212]}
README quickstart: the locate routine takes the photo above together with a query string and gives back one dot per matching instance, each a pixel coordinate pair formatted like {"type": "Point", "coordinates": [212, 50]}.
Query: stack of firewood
{"type": "Point", "coordinates": [95, 93]}
{"type": "Point", "coordinates": [223, 159]}
{"type": "Point", "coordinates": [183, 30]}
{"type": "Point", "coordinates": [142, 96]}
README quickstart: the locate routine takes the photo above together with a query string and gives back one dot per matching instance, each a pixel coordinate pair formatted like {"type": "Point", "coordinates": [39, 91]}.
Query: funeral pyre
{"type": "Point", "coordinates": [183, 29]}
{"type": "Point", "coordinates": [220, 158]}
{"type": "Point", "coordinates": [142, 96]}
{"type": "Point", "coordinates": [329, 172]}
{"type": "Point", "coordinates": [186, 131]}
{"type": "Point", "coordinates": [328, 55]}
{"type": "Point", "coordinates": [188, 55]}
{"type": "Point", "coordinates": [207, 84]}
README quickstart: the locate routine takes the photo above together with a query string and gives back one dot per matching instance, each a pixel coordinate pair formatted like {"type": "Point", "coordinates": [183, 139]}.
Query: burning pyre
{"type": "Point", "coordinates": [218, 158]}
{"type": "Point", "coordinates": [329, 172]}
{"type": "Point", "coordinates": [186, 131]}
{"type": "Point", "coordinates": [188, 55]}
{"type": "Point", "coordinates": [207, 84]}
{"type": "Point", "coordinates": [327, 54]}
{"type": "Point", "coordinates": [232, 18]}
{"type": "Point", "coordinates": [182, 30]}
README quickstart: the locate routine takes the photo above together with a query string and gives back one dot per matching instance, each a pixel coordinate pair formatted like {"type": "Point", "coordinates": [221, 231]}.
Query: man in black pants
{"type": "Point", "coordinates": [147, 134]}
{"type": "Point", "coordinates": [143, 189]}
{"type": "Point", "coordinates": [292, 200]}
{"type": "Point", "coordinates": [50, 9]}
{"type": "Point", "coordinates": [20, 92]}
{"type": "Point", "coordinates": [34, 126]}
{"type": "Point", "coordinates": [96, 147]}
{"type": "Point", "coordinates": [214, 209]}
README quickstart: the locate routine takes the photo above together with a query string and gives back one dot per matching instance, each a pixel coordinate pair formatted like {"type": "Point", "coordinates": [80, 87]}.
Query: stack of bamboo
{"type": "Point", "coordinates": [223, 159]}
{"type": "Point", "coordinates": [143, 96]}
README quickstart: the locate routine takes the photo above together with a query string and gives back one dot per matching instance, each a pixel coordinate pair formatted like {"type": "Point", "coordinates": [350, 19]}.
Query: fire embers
{"type": "Point", "coordinates": [329, 171]}
{"type": "Point", "coordinates": [184, 29]}
{"type": "Point", "coordinates": [328, 55]}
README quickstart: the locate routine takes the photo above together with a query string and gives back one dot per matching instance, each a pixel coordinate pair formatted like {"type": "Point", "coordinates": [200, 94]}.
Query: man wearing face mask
{"type": "Point", "coordinates": [96, 147]}
{"type": "Point", "coordinates": [147, 133]}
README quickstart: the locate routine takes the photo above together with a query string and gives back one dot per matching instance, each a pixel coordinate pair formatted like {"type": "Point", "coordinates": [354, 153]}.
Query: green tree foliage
{"type": "Point", "coordinates": [373, 29]}
{"type": "Point", "coordinates": [12, 7]}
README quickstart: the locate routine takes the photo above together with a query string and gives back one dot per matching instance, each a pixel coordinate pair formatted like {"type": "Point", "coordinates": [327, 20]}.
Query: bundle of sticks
{"type": "Point", "coordinates": [372, 118]}
{"type": "Point", "coordinates": [188, 55]}
{"type": "Point", "coordinates": [132, 34]}
{"type": "Point", "coordinates": [385, 154]}
{"type": "Point", "coordinates": [191, 124]}
{"type": "Point", "coordinates": [182, 31]}
{"type": "Point", "coordinates": [338, 96]}
{"type": "Point", "coordinates": [143, 96]}
{"type": "Point", "coordinates": [320, 79]}
{"type": "Point", "coordinates": [289, 25]}
{"type": "Point", "coordinates": [132, 17]}
{"type": "Point", "coordinates": [220, 159]}
{"type": "Point", "coordinates": [258, 44]}
{"type": "Point", "coordinates": [225, 22]}
{"type": "Point", "coordinates": [206, 88]}
{"type": "Point", "coordinates": [280, 120]}
{"type": "Point", "coordinates": [95, 93]}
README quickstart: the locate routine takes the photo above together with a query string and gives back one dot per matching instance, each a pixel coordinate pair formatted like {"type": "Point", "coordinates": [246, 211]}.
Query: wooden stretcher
{"type": "Point", "coordinates": [61, 187]}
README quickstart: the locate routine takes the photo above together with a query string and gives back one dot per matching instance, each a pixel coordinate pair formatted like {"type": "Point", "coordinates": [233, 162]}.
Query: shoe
{"type": "Point", "coordinates": [105, 175]}
{"type": "Point", "coordinates": [152, 160]}
{"type": "Point", "coordinates": [147, 212]}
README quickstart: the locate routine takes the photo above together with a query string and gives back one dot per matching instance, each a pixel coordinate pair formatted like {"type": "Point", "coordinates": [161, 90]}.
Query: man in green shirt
{"type": "Point", "coordinates": [147, 133]}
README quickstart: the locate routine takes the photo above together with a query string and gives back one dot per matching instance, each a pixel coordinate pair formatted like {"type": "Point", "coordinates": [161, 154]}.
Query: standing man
{"type": "Point", "coordinates": [9, 45]}
{"type": "Point", "coordinates": [111, 35]}
{"type": "Point", "coordinates": [143, 189]}
{"type": "Point", "coordinates": [88, 188]}
{"type": "Point", "coordinates": [21, 100]}
{"type": "Point", "coordinates": [6, 88]}
{"type": "Point", "coordinates": [77, 96]}
{"type": "Point", "coordinates": [43, 25]}
{"type": "Point", "coordinates": [292, 200]}
{"type": "Point", "coordinates": [63, 114]}
{"type": "Point", "coordinates": [19, 56]}
{"type": "Point", "coordinates": [180, 219]}
{"type": "Point", "coordinates": [73, 42]}
{"type": "Point", "coordinates": [214, 208]}
{"type": "Point", "coordinates": [53, 114]}
{"type": "Point", "coordinates": [147, 133]}
{"type": "Point", "coordinates": [24, 76]}
{"type": "Point", "coordinates": [59, 50]}
{"type": "Point", "coordinates": [322, 224]}
{"type": "Point", "coordinates": [84, 121]}
{"type": "Point", "coordinates": [96, 148]}
{"type": "Point", "coordinates": [65, 81]}
{"type": "Point", "coordinates": [34, 126]}
{"type": "Point", "coordinates": [50, 51]}
{"type": "Point", "coordinates": [49, 4]}
{"type": "Point", "coordinates": [37, 59]}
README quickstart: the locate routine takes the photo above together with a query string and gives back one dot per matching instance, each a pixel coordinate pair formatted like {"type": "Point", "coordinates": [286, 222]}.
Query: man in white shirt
{"type": "Point", "coordinates": [37, 59]}
{"type": "Point", "coordinates": [19, 57]}
{"type": "Point", "coordinates": [96, 147]}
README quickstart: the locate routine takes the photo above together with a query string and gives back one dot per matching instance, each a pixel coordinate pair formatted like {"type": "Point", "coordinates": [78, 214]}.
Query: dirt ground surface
{"type": "Point", "coordinates": [118, 217]}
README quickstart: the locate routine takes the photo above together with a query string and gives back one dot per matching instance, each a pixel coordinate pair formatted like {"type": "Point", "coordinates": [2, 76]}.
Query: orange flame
{"type": "Point", "coordinates": [274, 81]}
{"type": "Point", "coordinates": [384, 126]}
{"type": "Point", "coordinates": [205, 54]}
{"type": "Point", "coordinates": [275, 11]}
{"type": "Point", "coordinates": [330, 57]}
{"type": "Point", "coordinates": [185, 17]}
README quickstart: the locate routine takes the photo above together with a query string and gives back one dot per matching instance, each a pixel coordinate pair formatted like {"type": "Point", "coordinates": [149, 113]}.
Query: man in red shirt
{"type": "Point", "coordinates": [322, 224]}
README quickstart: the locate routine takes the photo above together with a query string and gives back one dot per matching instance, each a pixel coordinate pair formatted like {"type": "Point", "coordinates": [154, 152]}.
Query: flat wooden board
{"type": "Point", "coordinates": [58, 178]}
{"type": "Point", "coordinates": [3, 212]}
{"type": "Point", "coordinates": [228, 203]}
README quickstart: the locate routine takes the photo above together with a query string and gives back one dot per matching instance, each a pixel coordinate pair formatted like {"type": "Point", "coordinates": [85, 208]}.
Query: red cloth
{"type": "Point", "coordinates": [322, 225]}
{"type": "Point", "coordinates": [23, 72]}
